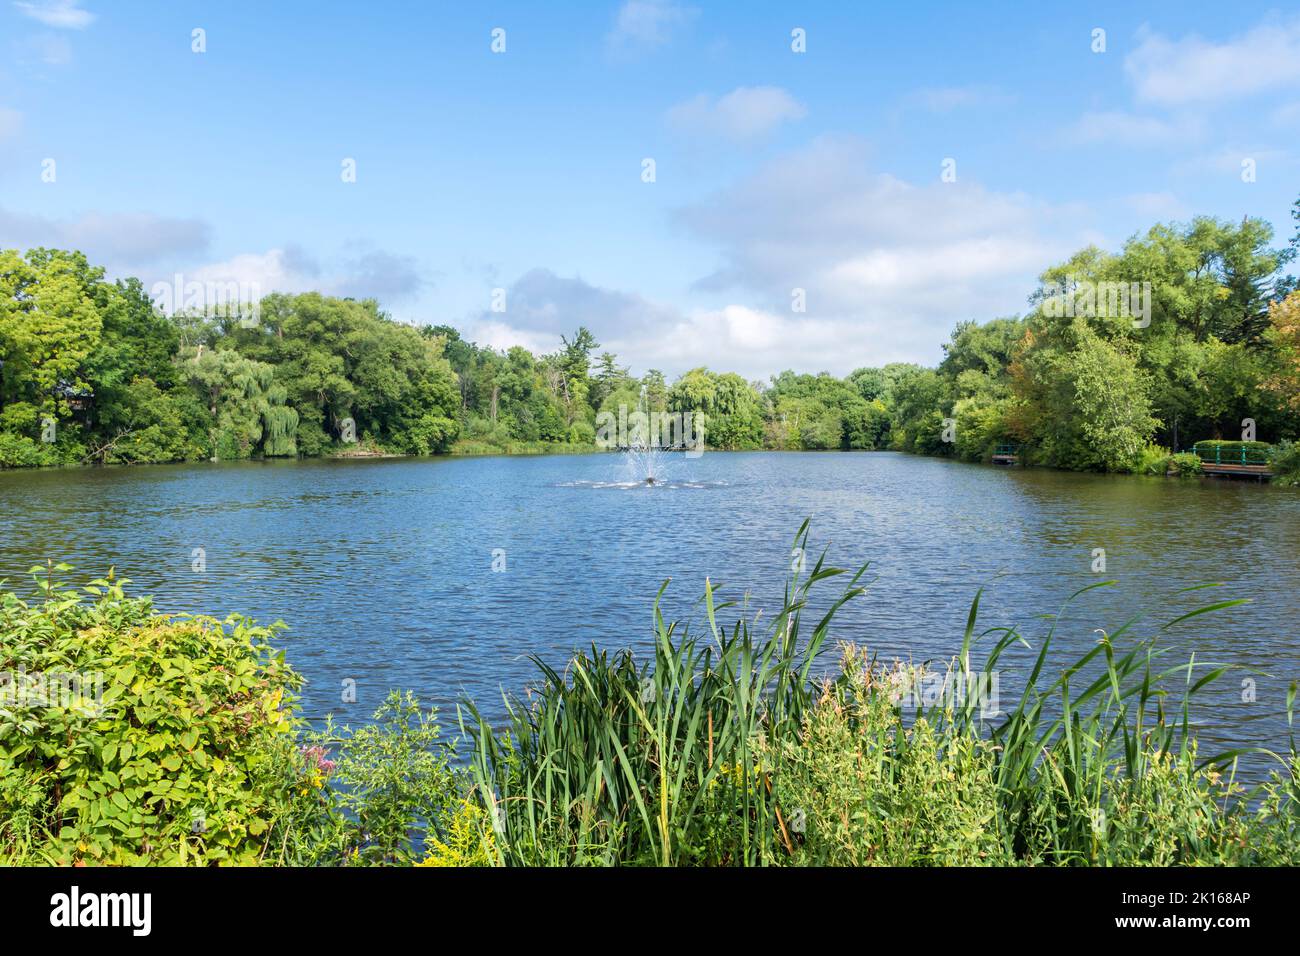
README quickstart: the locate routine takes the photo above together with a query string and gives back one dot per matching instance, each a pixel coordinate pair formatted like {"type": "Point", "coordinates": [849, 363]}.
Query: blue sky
{"type": "Point", "coordinates": [522, 170]}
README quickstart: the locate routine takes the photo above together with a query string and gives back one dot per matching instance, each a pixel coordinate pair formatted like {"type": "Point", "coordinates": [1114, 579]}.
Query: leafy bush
{"type": "Point", "coordinates": [1285, 463]}
{"type": "Point", "coordinates": [19, 451]}
{"type": "Point", "coordinates": [393, 786]}
{"type": "Point", "coordinates": [469, 840]}
{"type": "Point", "coordinates": [128, 737]}
{"type": "Point", "coordinates": [1156, 460]}
{"type": "Point", "coordinates": [863, 787]}
{"type": "Point", "coordinates": [1152, 460]}
{"type": "Point", "coordinates": [1184, 464]}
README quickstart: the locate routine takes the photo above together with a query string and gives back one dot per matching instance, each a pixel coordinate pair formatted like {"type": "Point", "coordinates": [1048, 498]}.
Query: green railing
{"type": "Point", "coordinates": [1237, 453]}
{"type": "Point", "coordinates": [1006, 450]}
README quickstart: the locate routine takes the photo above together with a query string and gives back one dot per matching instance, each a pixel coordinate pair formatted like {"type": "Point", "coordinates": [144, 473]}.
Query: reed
{"type": "Point", "coordinates": [730, 747]}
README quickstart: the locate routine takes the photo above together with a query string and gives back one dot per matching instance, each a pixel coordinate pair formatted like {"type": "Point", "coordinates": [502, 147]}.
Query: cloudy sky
{"type": "Point", "coordinates": [522, 177]}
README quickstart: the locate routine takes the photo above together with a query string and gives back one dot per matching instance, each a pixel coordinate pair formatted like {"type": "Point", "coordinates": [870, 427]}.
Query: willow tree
{"type": "Point", "coordinates": [279, 424]}
{"type": "Point", "coordinates": [247, 409]}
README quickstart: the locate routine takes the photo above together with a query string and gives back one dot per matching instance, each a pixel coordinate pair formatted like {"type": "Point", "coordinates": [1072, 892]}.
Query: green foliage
{"type": "Point", "coordinates": [131, 738]}
{"type": "Point", "coordinates": [169, 740]}
{"type": "Point", "coordinates": [49, 326]}
{"type": "Point", "coordinates": [393, 783]}
{"type": "Point", "coordinates": [869, 788]}
{"type": "Point", "coordinates": [1285, 463]}
{"type": "Point", "coordinates": [469, 840]}
{"type": "Point", "coordinates": [146, 424]}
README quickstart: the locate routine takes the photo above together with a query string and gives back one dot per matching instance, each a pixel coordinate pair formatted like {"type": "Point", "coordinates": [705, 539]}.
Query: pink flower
{"type": "Point", "coordinates": [316, 758]}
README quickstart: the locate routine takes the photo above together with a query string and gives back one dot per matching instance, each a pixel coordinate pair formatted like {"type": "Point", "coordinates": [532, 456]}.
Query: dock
{"type": "Point", "coordinates": [1006, 455]}
{"type": "Point", "coordinates": [1233, 463]}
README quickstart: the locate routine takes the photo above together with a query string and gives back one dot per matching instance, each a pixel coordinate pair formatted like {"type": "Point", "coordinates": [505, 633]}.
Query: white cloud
{"type": "Point", "coordinates": [359, 273]}
{"type": "Point", "coordinates": [540, 306]}
{"type": "Point", "coordinates": [888, 268]}
{"type": "Point", "coordinates": [272, 271]}
{"type": "Point", "coordinates": [1194, 70]}
{"type": "Point", "coordinates": [503, 336]}
{"type": "Point", "coordinates": [123, 242]}
{"type": "Point", "coordinates": [890, 265]}
{"type": "Point", "coordinates": [755, 343]}
{"type": "Point", "coordinates": [1120, 129]}
{"type": "Point", "coordinates": [644, 25]}
{"type": "Point", "coordinates": [61, 14]}
{"type": "Point", "coordinates": [746, 113]}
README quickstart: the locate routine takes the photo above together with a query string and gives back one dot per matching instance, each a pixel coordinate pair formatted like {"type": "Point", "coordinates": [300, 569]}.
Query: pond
{"type": "Point", "coordinates": [443, 576]}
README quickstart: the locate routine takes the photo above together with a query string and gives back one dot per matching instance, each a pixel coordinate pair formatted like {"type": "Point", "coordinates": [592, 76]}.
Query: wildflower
{"type": "Point", "coordinates": [318, 766]}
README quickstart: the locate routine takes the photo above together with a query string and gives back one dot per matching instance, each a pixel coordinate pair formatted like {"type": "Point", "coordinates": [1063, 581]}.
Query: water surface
{"type": "Point", "coordinates": [384, 568]}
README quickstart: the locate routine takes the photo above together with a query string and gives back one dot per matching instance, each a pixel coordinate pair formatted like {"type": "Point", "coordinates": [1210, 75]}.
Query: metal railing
{"type": "Point", "coordinates": [1216, 454]}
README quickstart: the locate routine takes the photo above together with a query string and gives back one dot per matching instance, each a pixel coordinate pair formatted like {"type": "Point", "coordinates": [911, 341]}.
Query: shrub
{"type": "Point", "coordinates": [392, 785]}
{"type": "Point", "coordinates": [168, 740]}
{"type": "Point", "coordinates": [1184, 464]}
{"type": "Point", "coordinates": [469, 840]}
{"type": "Point", "coordinates": [1152, 460]}
{"type": "Point", "coordinates": [1285, 463]}
{"type": "Point", "coordinates": [582, 433]}
{"type": "Point", "coordinates": [864, 788]}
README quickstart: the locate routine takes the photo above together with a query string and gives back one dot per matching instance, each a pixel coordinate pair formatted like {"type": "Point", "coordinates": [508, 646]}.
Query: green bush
{"type": "Point", "coordinates": [1156, 460]}
{"type": "Point", "coordinates": [128, 737]}
{"type": "Point", "coordinates": [1285, 463]}
{"type": "Point", "coordinates": [1152, 460]}
{"type": "Point", "coordinates": [20, 451]}
{"type": "Point", "coordinates": [393, 788]}
{"type": "Point", "coordinates": [863, 787]}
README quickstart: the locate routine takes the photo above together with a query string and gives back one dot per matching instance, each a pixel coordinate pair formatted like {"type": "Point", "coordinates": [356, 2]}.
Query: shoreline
{"type": "Point", "coordinates": [561, 451]}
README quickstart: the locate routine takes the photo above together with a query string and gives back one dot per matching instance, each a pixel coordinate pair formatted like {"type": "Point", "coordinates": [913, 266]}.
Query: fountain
{"type": "Point", "coordinates": [645, 454]}
{"type": "Point", "coordinates": [646, 462]}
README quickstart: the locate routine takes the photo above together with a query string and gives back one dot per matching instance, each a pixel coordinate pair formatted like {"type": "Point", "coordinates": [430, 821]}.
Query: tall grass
{"type": "Point", "coordinates": [616, 762]}
{"type": "Point", "coordinates": [731, 748]}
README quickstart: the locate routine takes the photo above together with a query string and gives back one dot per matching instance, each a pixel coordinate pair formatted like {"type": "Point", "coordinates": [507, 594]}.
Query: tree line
{"type": "Point", "coordinates": [1183, 334]}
